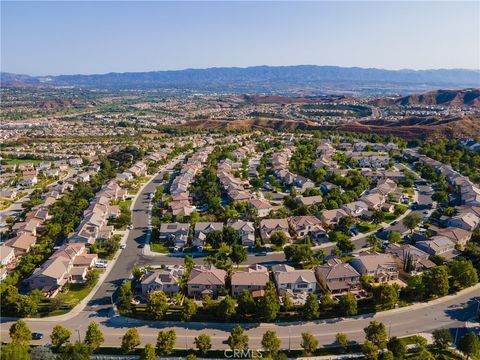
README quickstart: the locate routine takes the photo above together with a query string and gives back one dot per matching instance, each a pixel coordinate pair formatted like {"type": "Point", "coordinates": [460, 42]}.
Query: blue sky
{"type": "Point", "coordinates": [41, 38]}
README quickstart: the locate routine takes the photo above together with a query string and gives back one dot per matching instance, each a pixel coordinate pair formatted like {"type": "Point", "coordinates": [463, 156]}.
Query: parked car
{"type": "Point", "coordinates": [101, 264]}
{"type": "Point", "coordinates": [37, 336]}
{"type": "Point", "coordinates": [123, 246]}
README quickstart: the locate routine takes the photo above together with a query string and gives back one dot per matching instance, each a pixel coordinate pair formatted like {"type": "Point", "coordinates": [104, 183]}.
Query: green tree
{"type": "Point", "coordinates": [245, 302]}
{"type": "Point", "coordinates": [442, 338]}
{"type": "Point", "coordinates": [125, 296]}
{"type": "Point", "coordinates": [77, 351]}
{"type": "Point", "coordinates": [94, 336]}
{"type": "Point", "coordinates": [463, 273]}
{"type": "Point", "coordinates": [238, 339]}
{"type": "Point", "coordinates": [376, 333]}
{"type": "Point", "coordinates": [268, 306]}
{"type": "Point", "coordinates": [436, 281]}
{"type": "Point", "coordinates": [394, 236]}
{"type": "Point", "coordinates": [40, 353]}
{"type": "Point", "coordinates": [397, 347]}
{"type": "Point", "coordinates": [287, 302]}
{"type": "Point", "coordinates": [270, 342]}
{"type": "Point", "coordinates": [238, 254]}
{"type": "Point", "coordinates": [137, 274]}
{"type": "Point", "coordinates": [342, 341]}
{"type": "Point", "coordinates": [148, 353]}
{"type": "Point", "coordinates": [411, 221]}
{"type": "Point", "coordinates": [226, 308]}
{"type": "Point", "coordinates": [373, 241]}
{"type": "Point", "coordinates": [166, 342]}
{"type": "Point", "coordinates": [188, 263]}
{"type": "Point", "coordinates": [348, 304]}
{"type": "Point", "coordinates": [15, 351]}
{"type": "Point", "coordinates": [278, 238]}
{"type": "Point", "coordinates": [386, 296]}
{"type": "Point", "coordinates": [416, 288]}
{"type": "Point", "coordinates": [157, 304]}
{"type": "Point", "coordinates": [309, 344]}
{"type": "Point", "coordinates": [130, 340]}
{"type": "Point", "coordinates": [311, 308]}
{"type": "Point", "coordinates": [20, 333]}
{"type": "Point", "coordinates": [230, 235]}
{"type": "Point", "coordinates": [378, 217]}
{"type": "Point", "coordinates": [92, 277]}
{"type": "Point", "coordinates": [203, 343]}
{"type": "Point", "coordinates": [214, 238]}
{"type": "Point", "coordinates": [370, 350]}
{"type": "Point", "coordinates": [470, 346]}
{"type": "Point", "coordinates": [60, 335]}
{"type": "Point", "coordinates": [189, 309]}
{"type": "Point", "coordinates": [386, 355]}
{"type": "Point", "coordinates": [26, 305]}
{"type": "Point", "coordinates": [298, 253]}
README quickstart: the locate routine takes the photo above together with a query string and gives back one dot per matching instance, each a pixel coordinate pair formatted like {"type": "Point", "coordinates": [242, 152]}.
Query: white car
{"type": "Point", "coordinates": [123, 246]}
{"type": "Point", "coordinates": [130, 227]}
{"type": "Point", "coordinates": [101, 265]}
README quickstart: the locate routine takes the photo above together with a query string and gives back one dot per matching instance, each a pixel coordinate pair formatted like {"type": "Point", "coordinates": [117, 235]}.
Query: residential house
{"type": "Point", "coordinates": [51, 276]}
{"type": "Point", "coordinates": [382, 267]}
{"type": "Point", "coordinates": [177, 233]}
{"type": "Point", "coordinates": [262, 207]}
{"type": "Point", "coordinates": [21, 243]}
{"type": "Point", "coordinates": [7, 255]}
{"type": "Point", "coordinates": [374, 201]}
{"type": "Point", "coordinates": [355, 209]}
{"type": "Point", "coordinates": [307, 225]}
{"type": "Point", "coordinates": [332, 217]}
{"type": "Point", "coordinates": [202, 229]}
{"type": "Point", "coordinates": [166, 280]}
{"type": "Point", "coordinates": [337, 277]}
{"type": "Point", "coordinates": [309, 200]}
{"type": "Point", "coordinates": [467, 221]}
{"type": "Point", "coordinates": [457, 235]}
{"type": "Point", "coordinates": [436, 245]}
{"type": "Point", "coordinates": [254, 279]}
{"type": "Point", "coordinates": [205, 280]}
{"type": "Point", "coordinates": [292, 281]}
{"type": "Point", "coordinates": [269, 226]}
{"type": "Point", "coordinates": [246, 231]}
{"type": "Point", "coordinates": [410, 258]}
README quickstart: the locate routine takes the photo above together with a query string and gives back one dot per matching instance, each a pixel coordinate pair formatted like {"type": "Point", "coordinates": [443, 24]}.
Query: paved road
{"type": "Point", "coordinates": [130, 256]}
{"type": "Point", "coordinates": [448, 312]}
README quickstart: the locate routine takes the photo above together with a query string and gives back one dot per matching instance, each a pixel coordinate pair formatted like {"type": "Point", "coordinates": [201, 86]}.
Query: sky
{"type": "Point", "coordinates": [73, 37]}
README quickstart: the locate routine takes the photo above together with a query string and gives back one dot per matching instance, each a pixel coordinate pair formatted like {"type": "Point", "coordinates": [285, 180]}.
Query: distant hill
{"type": "Point", "coordinates": [470, 97]}
{"type": "Point", "coordinates": [300, 80]}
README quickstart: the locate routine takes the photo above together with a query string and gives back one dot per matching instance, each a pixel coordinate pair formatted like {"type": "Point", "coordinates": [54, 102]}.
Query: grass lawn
{"type": "Point", "coordinates": [390, 217]}
{"type": "Point", "coordinates": [69, 299]}
{"type": "Point", "coordinates": [4, 203]}
{"type": "Point", "coordinates": [127, 203]}
{"type": "Point", "coordinates": [160, 248]}
{"type": "Point", "coordinates": [21, 161]}
{"type": "Point", "coordinates": [365, 227]}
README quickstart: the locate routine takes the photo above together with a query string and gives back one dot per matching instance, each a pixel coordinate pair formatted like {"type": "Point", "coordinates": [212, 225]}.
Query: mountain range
{"type": "Point", "coordinates": [299, 79]}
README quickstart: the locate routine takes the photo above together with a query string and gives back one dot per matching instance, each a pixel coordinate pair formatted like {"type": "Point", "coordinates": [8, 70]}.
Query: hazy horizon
{"type": "Point", "coordinates": [52, 38]}
{"type": "Point", "coordinates": [239, 67]}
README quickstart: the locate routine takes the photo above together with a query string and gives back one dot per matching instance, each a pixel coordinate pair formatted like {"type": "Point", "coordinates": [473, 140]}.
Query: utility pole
{"type": "Point", "coordinates": [78, 333]}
